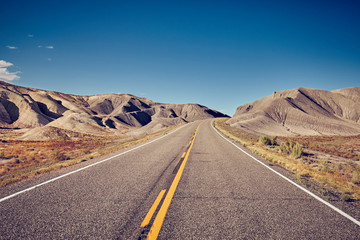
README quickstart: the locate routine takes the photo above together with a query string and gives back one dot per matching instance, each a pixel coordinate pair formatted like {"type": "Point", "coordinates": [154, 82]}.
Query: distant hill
{"type": "Point", "coordinates": [47, 113]}
{"type": "Point", "coordinates": [302, 111]}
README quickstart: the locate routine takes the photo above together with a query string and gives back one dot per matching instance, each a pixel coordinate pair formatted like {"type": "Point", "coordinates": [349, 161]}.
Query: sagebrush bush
{"type": "Point", "coordinates": [325, 167]}
{"type": "Point", "coordinates": [345, 197]}
{"type": "Point", "coordinates": [273, 141]}
{"type": "Point", "coordinates": [285, 148]}
{"type": "Point", "coordinates": [292, 148]}
{"type": "Point", "coordinates": [59, 156]}
{"type": "Point", "coordinates": [265, 140]}
{"type": "Point", "coordinates": [297, 150]}
{"type": "Point", "coordinates": [356, 177]}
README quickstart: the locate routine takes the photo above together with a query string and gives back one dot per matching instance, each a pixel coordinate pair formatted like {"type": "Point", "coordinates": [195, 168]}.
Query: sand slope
{"type": "Point", "coordinates": [302, 111]}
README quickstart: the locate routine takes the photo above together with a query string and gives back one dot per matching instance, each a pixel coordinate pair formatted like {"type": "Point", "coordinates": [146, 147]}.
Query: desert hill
{"type": "Point", "coordinates": [43, 112]}
{"type": "Point", "coordinates": [302, 111]}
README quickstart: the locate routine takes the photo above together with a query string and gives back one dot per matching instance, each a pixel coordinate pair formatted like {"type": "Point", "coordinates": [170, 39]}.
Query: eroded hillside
{"type": "Point", "coordinates": [302, 111]}
{"type": "Point", "coordinates": [42, 112]}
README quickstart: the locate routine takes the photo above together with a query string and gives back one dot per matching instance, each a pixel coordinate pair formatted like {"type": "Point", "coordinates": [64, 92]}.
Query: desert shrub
{"type": "Point", "coordinates": [297, 150]}
{"type": "Point", "coordinates": [87, 151]}
{"type": "Point", "coordinates": [59, 156]}
{"type": "Point", "coordinates": [265, 140]}
{"type": "Point", "coordinates": [345, 197]}
{"type": "Point", "coordinates": [273, 141]}
{"type": "Point", "coordinates": [356, 177]}
{"type": "Point", "coordinates": [292, 148]}
{"type": "Point", "coordinates": [285, 148]}
{"type": "Point", "coordinates": [339, 166]}
{"type": "Point", "coordinates": [325, 167]}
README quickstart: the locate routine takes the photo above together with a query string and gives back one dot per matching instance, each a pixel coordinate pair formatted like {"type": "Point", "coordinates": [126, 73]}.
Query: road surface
{"type": "Point", "coordinates": [188, 184]}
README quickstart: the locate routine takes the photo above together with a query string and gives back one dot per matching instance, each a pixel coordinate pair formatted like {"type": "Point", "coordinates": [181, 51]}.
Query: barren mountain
{"type": "Point", "coordinates": [302, 111]}
{"type": "Point", "coordinates": [43, 112]}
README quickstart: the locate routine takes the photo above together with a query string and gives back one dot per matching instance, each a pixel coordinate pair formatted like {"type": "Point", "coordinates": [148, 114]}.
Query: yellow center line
{"type": "Point", "coordinates": [159, 219]}
{"type": "Point", "coordinates": [152, 209]}
{"type": "Point", "coordinates": [183, 155]}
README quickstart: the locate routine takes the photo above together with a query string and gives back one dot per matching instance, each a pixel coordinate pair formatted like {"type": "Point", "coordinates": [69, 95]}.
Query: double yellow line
{"type": "Point", "coordinates": [159, 219]}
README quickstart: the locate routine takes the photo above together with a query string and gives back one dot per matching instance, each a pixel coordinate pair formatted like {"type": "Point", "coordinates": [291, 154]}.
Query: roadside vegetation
{"type": "Point", "coordinates": [25, 159]}
{"type": "Point", "coordinates": [329, 165]}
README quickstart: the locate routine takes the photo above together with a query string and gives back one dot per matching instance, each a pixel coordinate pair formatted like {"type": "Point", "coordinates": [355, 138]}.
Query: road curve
{"type": "Point", "coordinates": [218, 193]}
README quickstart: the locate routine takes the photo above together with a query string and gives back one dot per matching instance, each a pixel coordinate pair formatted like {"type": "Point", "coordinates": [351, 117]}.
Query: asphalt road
{"type": "Point", "coordinates": [212, 191]}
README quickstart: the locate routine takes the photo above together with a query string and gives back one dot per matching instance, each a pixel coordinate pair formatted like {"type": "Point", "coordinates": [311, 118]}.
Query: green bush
{"type": "Point", "coordinates": [292, 148]}
{"type": "Point", "coordinates": [285, 148]}
{"type": "Point", "coordinates": [265, 140]}
{"type": "Point", "coordinates": [297, 150]}
{"type": "Point", "coordinates": [273, 141]}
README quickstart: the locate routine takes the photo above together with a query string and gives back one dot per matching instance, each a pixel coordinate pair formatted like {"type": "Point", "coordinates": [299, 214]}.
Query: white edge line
{"type": "Point", "coordinates": [297, 185]}
{"type": "Point", "coordinates": [83, 168]}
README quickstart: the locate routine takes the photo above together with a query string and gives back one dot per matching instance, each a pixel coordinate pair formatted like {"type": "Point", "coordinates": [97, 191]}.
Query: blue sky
{"type": "Point", "coordinates": [221, 54]}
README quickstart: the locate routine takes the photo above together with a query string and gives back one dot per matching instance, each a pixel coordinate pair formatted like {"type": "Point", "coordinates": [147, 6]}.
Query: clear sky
{"type": "Point", "coordinates": [221, 54]}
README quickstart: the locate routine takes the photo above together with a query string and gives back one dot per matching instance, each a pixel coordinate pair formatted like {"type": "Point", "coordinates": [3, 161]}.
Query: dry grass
{"type": "Point", "coordinates": [25, 159]}
{"type": "Point", "coordinates": [341, 146]}
{"type": "Point", "coordinates": [342, 176]}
